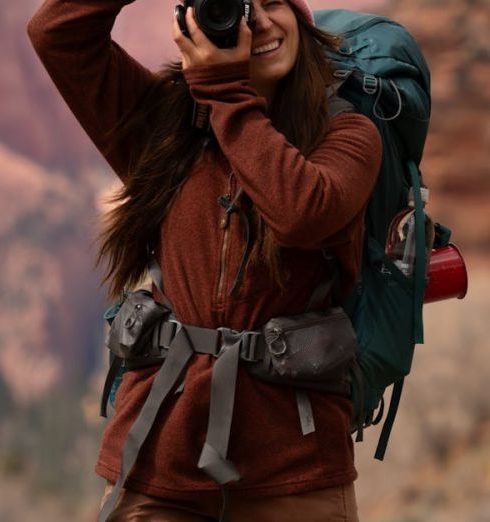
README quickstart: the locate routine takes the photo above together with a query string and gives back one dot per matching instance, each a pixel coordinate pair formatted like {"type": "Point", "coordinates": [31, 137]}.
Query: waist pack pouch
{"type": "Point", "coordinates": [133, 325]}
{"type": "Point", "coordinates": [311, 350]}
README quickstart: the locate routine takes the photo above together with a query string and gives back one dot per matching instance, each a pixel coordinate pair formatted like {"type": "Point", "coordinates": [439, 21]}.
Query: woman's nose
{"type": "Point", "coordinates": [262, 20]}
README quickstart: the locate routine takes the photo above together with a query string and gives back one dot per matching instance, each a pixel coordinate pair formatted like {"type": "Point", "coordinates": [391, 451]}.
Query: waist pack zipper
{"type": "Point", "coordinates": [280, 331]}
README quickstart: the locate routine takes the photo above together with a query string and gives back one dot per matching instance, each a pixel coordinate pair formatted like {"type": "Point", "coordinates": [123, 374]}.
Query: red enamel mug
{"type": "Point", "coordinates": [447, 275]}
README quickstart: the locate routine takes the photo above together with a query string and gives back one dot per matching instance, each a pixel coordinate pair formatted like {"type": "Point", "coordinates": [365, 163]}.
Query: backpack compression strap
{"type": "Point", "coordinates": [420, 255]}
{"type": "Point", "coordinates": [157, 278]}
{"type": "Point", "coordinates": [418, 300]}
{"type": "Point", "coordinates": [336, 105]}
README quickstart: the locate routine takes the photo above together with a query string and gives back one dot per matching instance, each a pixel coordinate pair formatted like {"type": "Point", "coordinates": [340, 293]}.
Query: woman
{"type": "Point", "coordinates": [301, 178]}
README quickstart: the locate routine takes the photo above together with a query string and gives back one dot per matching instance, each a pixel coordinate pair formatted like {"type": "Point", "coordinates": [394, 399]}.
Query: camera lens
{"type": "Point", "coordinates": [219, 15]}
{"type": "Point", "coordinates": [217, 12]}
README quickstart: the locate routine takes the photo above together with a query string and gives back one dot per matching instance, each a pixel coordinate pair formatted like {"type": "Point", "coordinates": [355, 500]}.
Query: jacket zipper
{"type": "Point", "coordinates": [224, 250]}
{"type": "Point", "coordinates": [224, 224]}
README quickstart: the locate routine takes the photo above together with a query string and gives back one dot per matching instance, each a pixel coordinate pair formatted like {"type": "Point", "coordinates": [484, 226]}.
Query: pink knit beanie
{"type": "Point", "coordinates": [303, 6]}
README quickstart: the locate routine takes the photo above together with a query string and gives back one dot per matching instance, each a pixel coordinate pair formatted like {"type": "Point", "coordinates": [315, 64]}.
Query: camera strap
{"type": "Point", "coordinates": [200, 117]}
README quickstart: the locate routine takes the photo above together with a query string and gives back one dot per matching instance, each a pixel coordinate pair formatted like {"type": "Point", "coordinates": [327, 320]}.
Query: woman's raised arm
{"type": "Point", "coordinates": [305, 201]}
{"type": "Point", "coordinates": [99, 81]}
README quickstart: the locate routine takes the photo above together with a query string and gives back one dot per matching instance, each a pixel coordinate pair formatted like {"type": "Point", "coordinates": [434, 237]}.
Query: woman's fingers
{"type": "Point", "coordinates": [183, 43]}
{"type": "Point", "coordinates": [244, 43]}
{"type": "Point", "coordinates": [197, 36]}
{"type": "Point", "coordinates": [199, 50]}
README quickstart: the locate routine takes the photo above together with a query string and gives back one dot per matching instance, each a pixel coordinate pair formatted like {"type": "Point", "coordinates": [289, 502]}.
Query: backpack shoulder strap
{"type": "Point", "coordinates": [336, 105]}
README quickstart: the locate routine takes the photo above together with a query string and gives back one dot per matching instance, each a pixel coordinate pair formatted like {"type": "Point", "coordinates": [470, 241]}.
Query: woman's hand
{"type": "Point", "coordinates": [199, 50]}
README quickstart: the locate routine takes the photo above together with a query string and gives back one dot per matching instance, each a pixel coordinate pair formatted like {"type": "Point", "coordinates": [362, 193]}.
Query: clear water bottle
{"type": "Point", "coordinates": [400, 244]}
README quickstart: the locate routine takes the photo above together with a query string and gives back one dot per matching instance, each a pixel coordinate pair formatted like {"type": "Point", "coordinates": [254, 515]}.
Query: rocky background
{"type": "Point", "coordinates": [52, 187]}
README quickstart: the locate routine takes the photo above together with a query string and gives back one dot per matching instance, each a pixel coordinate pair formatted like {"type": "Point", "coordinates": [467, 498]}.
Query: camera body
{"type": "Point", "coordinates": [218, 19]}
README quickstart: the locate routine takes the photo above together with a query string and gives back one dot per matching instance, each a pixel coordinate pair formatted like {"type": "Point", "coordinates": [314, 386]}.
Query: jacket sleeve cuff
{"type": "Point", "coordinates": [218, 73]}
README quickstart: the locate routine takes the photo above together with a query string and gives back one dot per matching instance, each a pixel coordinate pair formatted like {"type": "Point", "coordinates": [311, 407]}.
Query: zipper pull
{"type": "Point", "coordinates": [225, 221]}
{"type": "Point", "coordinates": [229, 205]}
{"type": "Point", "coordinates": [278, 332]}
{"type": "Point", "coordinates": [272, 343]}
{"type": "Point", "coordinates": [224, 201]}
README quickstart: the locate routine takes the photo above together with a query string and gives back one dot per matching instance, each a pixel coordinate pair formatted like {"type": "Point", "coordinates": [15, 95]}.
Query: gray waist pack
{"type": "Point", "coordinates": [132, 327]}
{"type": "Point", "coordinates": [311, 350]}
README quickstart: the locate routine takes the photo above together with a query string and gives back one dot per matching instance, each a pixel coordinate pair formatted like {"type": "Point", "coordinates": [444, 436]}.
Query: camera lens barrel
{"type": "Point", "coordinates": [220, 19]}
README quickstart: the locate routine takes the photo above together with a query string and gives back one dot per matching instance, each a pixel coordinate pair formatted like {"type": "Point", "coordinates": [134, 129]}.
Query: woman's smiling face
{"type": "Point", "coordinates": [275, 44]}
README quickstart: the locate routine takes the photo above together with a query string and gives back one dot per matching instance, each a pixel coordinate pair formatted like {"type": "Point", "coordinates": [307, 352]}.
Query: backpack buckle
{"type": "Point", "coordinates": [370, 84]}
{"type": "Point", "coordinates": [250, 351]}
{"type": "Point", "coordinates": [164, 333]}
{"type": "Point", "coordinates": [342, 74]}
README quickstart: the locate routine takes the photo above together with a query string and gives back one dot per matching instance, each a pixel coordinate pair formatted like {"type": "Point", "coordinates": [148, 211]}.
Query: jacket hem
{"type": "Point", "coordinates": [256, 491]}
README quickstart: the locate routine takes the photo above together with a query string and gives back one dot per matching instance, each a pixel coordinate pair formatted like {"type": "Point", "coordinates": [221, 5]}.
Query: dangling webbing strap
{"type": "Point", "coordinates": [358, 395]}
{"type": "Point", "coordinates": [379, 414]}
{"type": "Point", "coordinates": [305, 412]}
{"type": "Point", "coordinates": [180, 352]}
{"type": "Point", "coordinates": [223, 383]}
{"type": "Point", "coordinates": [109, 381]}
{"type": "Point", "coordinates": [390, 419]}
{"type": "Point", "coordinates": [213, 459]}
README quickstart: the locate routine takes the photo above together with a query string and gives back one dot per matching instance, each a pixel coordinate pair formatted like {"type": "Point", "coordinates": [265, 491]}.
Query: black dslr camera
{"type": "Point", "coordinates": [218, 19]}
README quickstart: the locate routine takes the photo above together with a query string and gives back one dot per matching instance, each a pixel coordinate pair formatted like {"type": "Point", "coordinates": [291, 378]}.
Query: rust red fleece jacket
{"type": "Point", "coordinates": [308, 203]}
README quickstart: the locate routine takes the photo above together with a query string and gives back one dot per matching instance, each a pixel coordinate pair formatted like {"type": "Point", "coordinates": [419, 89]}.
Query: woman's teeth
{"type": "Point", "coordinates": [266, 48]}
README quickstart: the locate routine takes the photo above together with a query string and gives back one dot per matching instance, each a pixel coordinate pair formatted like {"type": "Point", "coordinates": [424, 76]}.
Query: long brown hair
{"type": "Point", "coordinates": [167, 147]}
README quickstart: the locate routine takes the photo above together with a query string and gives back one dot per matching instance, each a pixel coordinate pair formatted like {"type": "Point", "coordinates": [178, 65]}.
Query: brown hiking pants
{"type": "Point", "coordinates": [337, 504]}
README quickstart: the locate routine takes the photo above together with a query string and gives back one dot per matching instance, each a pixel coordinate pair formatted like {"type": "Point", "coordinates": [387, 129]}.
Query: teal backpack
{"type": "Point", "coordinates": [382, 72]}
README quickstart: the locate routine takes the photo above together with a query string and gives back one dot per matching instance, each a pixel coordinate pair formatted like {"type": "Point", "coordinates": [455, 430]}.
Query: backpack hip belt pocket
{"type": "Point", "coordinates": [131, 330]}
{"type": "Point", "coordinates": [311, 350]}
